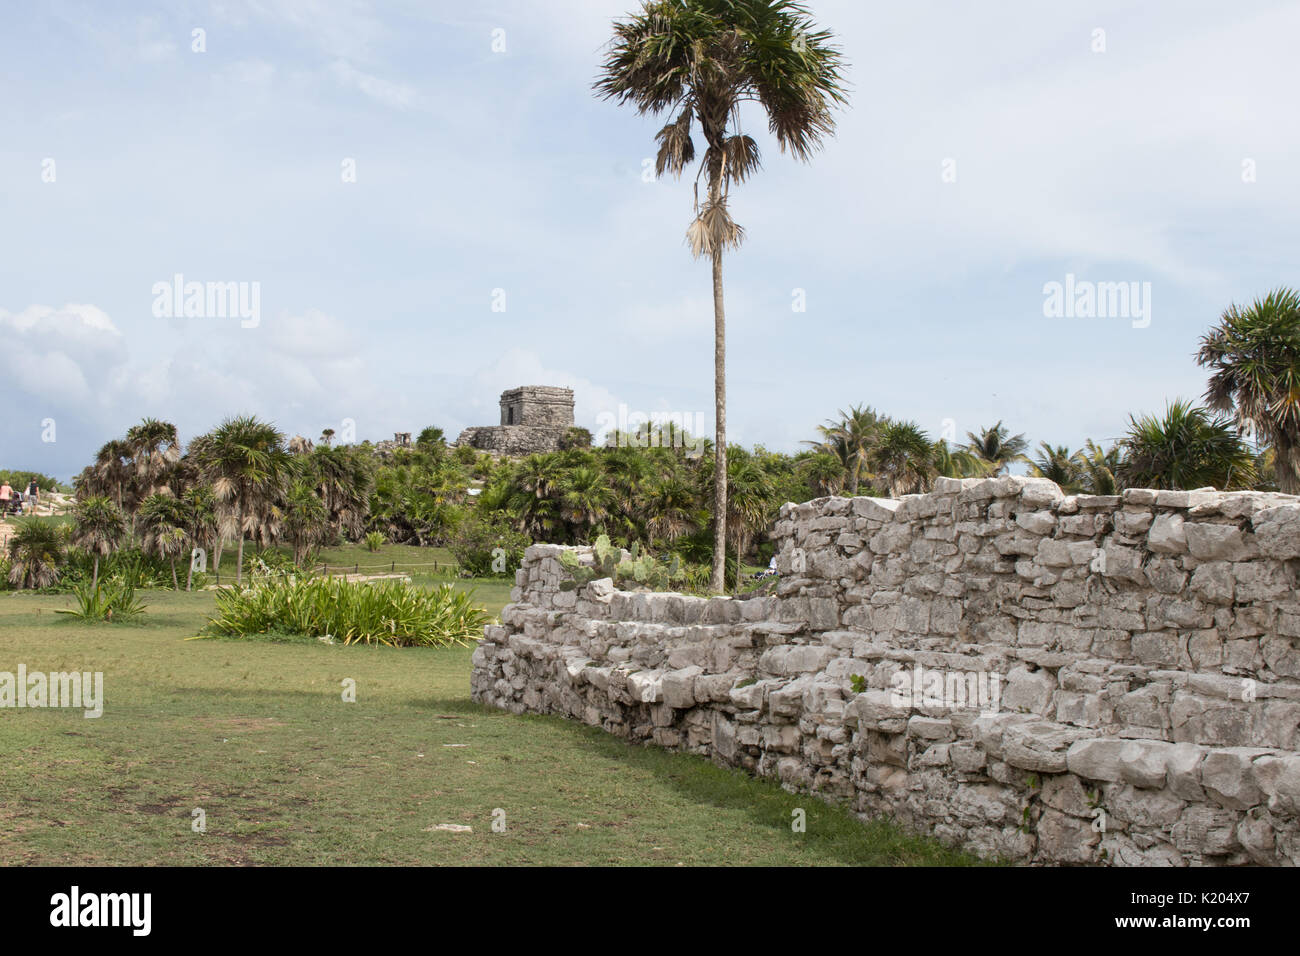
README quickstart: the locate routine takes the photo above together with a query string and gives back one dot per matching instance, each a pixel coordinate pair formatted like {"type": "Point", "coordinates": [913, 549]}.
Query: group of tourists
{"type": "Point", "coordinates": [17, 502]}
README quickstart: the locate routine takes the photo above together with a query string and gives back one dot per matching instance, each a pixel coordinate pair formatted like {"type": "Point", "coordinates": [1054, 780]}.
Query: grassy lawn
{"type": "Point", "coordinates": [258, 736]}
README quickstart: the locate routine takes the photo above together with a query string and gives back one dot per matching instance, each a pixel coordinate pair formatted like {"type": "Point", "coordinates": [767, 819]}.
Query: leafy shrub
{"type": "Point", "coordinates": [110, 600]}
{"type": "Point", "coordinates": [35, 552]}
{"type": "Point", "coordinates": [477, 541]}
{"type": "Point", "coordinates": [130, 565]}
{"type": "Point", "coordinates": [374, 541]}
{"type": "Point", "coordinates": [388, 612]}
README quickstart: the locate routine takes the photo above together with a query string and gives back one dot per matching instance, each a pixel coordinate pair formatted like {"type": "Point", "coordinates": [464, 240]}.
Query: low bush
{"type": "Point", "coordinates": [113, 599]}
{"type": "Point", "coordinates": [487, 544]}
{"type": "Point", "coordinates": [387, 612]}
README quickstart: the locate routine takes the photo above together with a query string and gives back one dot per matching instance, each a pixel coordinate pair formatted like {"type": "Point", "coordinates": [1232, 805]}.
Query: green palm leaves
{"type": "Point", "coordinates": [1188, 447]}
{"type": "Point", "coordinates": [1254, 355]}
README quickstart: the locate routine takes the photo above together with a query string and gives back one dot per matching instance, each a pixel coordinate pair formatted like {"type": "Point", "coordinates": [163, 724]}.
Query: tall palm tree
{"type": "Point", "coordinates": [155, 448]}
{"type": "Point", "coordinates": [111, 472]}
{"type": "Point", "coordinates": [245, 461]}
{"type": "Point", "coordinates": [996, 447]}
{"type": "Point", "coordinates": [98, 526]}
{"type": "Point", "coordinates": [345, 480]}
{"type": "Point", "coordinates": [1186, 448]}
{"type": "Point", "coordinates": [200, 516]}
{"type": "Point", "coordinates": [697, 61]}
{"type": "Point", "coordinates": [305, 518]}
{"type": "Point", "coordinates": [1255, 355]}
{"type": "Point", "coordinates": [34, 555]}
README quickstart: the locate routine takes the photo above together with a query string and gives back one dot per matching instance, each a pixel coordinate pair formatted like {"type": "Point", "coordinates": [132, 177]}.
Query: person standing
{"type": "Point", "coordinates": [6, 496]}
{"type": "Point", "coordinates": [33, 495]}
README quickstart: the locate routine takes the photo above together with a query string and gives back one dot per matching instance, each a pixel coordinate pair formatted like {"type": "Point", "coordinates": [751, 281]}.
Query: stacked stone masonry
{"type": "Point", "coordinates": [1142, 652]}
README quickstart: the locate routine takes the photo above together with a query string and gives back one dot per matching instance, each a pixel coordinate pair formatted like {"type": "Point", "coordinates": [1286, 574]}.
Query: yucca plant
{"type": "Point", "coordinates": [110, 600]}
{"type": "Point", "coordinates": [389, 612]}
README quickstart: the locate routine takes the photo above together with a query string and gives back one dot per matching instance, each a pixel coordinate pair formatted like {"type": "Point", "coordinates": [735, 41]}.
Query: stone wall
{"type": "Point", "coordinates": [1032, 676]}
{"type": "Point", "coordinates": [514, 440]}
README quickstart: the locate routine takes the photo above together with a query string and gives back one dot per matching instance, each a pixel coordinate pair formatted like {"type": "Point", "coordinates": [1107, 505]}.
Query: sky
{"type": "Point", "coordinates": [431, 206]}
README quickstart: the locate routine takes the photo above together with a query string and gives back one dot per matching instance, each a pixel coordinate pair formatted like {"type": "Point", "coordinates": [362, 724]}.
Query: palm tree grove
{"type": "Point", "coordinates": [958, 527]}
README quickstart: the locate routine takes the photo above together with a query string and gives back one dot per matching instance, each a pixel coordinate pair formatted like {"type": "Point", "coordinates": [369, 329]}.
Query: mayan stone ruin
{"type": "Point", "coordinates": [1032, 676]}
{"type": "Point", "coordinates": [534, 419]}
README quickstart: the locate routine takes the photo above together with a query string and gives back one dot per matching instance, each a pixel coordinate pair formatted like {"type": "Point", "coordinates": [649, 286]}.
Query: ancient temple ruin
{"type": "Point", "coordinates": [534, 418]}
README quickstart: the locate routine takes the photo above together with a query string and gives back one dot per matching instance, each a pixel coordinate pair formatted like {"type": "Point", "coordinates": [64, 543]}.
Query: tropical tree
{"type": "Point", "coordinates": [1098, 469]}
{"type": "Point", "coordinates": [200, 516]}
{"type": "Point", "coordinates": [903, 459]}
{"type": "Point", "coordinates": [111, 472]}
{"type": "Point", "coordinates": [1254, 353]}
{"type": "Point", "coordinates": [958, 462]}
{"type": "Point", "coordinates": [98, 526]}
{"type": "Point", "coordinates": [1189, 447]}
{"type": "Point", "coordinates": [34, 554]}
{"type": "Point", "coordinates": [996, 447]}
{"type": "Point", "coordinates": [824, 471]}
{"type": "Point", "coordinates": [345, 481]}
{"type": "Point", "coordinates": [305, 519]}
{"type": "Point", "coordinates": [245, 461]}
{"type": "Point", "coordinates": [697, 61]}
{"type": "Point", "coordinates": [161, 522]}
{"type": "Point", "coordinates": [1058, 465]}
{"type": "Point", "coordinates": [850, 440]}
{"type": "Point", "coordinates": [154, 448]}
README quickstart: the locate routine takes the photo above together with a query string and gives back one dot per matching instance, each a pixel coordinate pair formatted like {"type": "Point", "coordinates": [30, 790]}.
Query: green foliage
{"type": "Point", "coordinates": [387, 612]}
{"type": "Point", "coordinates": [1188, 447]}
{"type": "Point", "coordinates": [576, 437]}
{"type": "Point", "coordinates": [112, 600]}
{"type": "Point", "coordinates": [19, 480]}
{"type": "Point", "coordinates": [374, 541]}
{"type": "Point", "coordinates": [858, 683]}
{"type": "Point", "coordinates": [487, 544]}
{"type": "Point", "coordinates": [35, 551]}
{"type": "Point", "coordinates": [1254, 356]}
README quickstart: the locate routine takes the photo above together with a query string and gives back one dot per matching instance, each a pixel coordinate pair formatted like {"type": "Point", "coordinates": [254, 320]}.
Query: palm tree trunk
{"type": "Point", "coordinates": [239, 528]}
{"type": "Point", "coordinates": [176, 585]}
{"type": "Point", "coordinates": [94, 577]}
{"type": "Point", "coordinates": [1286, 463]}
{"type": "Point", "coordinates": [189, 575]}
{"type": "Point", "coordinates": [718, 583]}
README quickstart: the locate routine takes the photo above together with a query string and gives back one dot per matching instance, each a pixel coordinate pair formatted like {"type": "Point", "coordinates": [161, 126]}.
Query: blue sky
{"type": "Point", "coordinates": [481, 169]}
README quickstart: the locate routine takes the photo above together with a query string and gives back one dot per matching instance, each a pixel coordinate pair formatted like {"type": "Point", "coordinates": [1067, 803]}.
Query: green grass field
{"type": "Point", "coordinates": [256, 734]}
